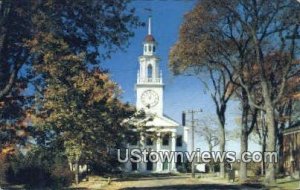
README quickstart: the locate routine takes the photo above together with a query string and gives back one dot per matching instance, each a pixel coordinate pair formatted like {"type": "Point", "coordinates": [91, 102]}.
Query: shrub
{"type": "Point", "coordinates": [61, 176]}
{"type": "Point", "coordinates": [255, 168]}
{"type": "Point", "coordinates": [33, 176]}
{"type": "Point", "coordinates": [37, 169]}
{"type": "Point", "coordinates": [181, 169]}
{"type": "Point", "coordinates": [3, 169]}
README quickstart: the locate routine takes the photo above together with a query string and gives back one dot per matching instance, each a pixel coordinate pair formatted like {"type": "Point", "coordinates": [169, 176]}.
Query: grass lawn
{"type": "Point", "coordinates": [288, 184]}
{"type": "Point", "coordinates": [281, 183]}
{"type": "Point", "coordinates": [179, 181]}
{"type": "Point", "coordinates": [97, 182]}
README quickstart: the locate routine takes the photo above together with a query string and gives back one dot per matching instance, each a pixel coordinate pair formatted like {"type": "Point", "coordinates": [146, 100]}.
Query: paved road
{"type": "Point", "coordinates": [176, 182]}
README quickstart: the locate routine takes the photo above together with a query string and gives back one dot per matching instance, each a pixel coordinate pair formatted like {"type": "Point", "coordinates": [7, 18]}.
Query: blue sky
{"type": "Point", "coordinates": [181, 92]}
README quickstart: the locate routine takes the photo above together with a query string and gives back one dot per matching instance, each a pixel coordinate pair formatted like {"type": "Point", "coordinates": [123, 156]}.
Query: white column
{"type": "Point", "coordinates": [154, 68]}
{"type": "Point", "coordinates": [186, 141]}
{"type": "Point", "coordinates": [173, 149]}
{"type": "Point", "coordinates": [158, 148]}
{"type": "Point", "coordinates": [127, 165]}
{"type": "Point", "coordinates": [142, 165]}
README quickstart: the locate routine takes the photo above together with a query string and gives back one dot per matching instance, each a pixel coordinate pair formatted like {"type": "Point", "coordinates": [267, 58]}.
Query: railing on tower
{"type": "Point", "coordinates": [147, 80]}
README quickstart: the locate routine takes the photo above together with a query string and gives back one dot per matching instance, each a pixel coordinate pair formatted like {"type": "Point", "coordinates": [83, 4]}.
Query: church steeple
{"type": "Point", "coordinates": [149, 42]}
{"type": "Point", "coordinates": [149, 26]}
{"type": "Point", "coordinates": [149, 71]}
{"type": "Point", "coordinates": [149, 85]}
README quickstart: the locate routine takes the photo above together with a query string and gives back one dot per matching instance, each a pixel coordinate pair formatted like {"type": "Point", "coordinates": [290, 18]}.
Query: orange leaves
{"type": "Point", "coordinates": [296, 96]}
{"type": "Point", "coordinates": [42, 41]}
{"type": "Point", "coordinates": [108, 90]}
{"type": "Point", "coordinates": [96, 85]}
{"type": "Point", "coordinates": [7, 150]}
{"type": "Point", "coordinates": [2, 104]}
{"type": "Point", "coordinates": [199, 44]}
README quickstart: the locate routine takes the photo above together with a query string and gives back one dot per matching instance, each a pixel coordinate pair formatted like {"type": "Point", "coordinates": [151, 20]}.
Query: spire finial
{"type": "Point", "coordinates": [149, 25]}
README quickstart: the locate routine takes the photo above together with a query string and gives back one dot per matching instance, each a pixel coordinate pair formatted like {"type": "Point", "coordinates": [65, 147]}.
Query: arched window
{"type": "Point", "coordinates": [179, 161]}
{"type": "Point", "coordinates": [165, 140]}
{"type": "Point", "coordinates": [149, 163]}
{"type": "Point", "coordinates": [149, 71]}
{"type": "Point", "coordinates": [179, 141]}
{"type": "Point", "coordinates": [149, 48]}
{"type": "Point", "coordinates": [133, 164]}
{"type": "Point", "coordinates": [153, 48]}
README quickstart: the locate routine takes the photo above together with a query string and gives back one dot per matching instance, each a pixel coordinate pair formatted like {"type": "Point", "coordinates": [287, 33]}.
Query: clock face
{"type": "Point", "coordinates": [149, 98]}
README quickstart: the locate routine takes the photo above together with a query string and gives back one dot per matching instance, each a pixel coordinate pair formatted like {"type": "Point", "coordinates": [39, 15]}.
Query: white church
{"type": "Point", "coordinates": [170, 135]}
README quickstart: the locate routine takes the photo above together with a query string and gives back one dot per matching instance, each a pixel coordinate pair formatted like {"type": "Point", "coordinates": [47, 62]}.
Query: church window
{"type": "Point", "coordinates": [133, 164]}
{"type": "Point", "coordinates": [165, 165]}
{"type": "Point", "coordinates": [179, 141]}
{"type": "Point", "coordinates": [149, 164]}
{"type": "Point", "coordinates": [149, 141]}
{"type": "Point", "coordinates": [153, 48]}
{"type": "Point", "coordinates": [149, 71]}
{"type": "Point", "coordinates": [133, 140]}
{"type": "Point", "coordinates": [179, 161]}
{"type": "Point", "coordinates": [149, 48]}
{"type": "Point", "coordinates": [166, 140]}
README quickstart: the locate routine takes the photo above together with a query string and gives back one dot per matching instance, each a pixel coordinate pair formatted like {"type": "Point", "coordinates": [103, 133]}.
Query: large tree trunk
{"type": "Point", "coordinates": [77, 169]}
{"type": "Point", "coordinates": [279, 135]}
{"type": "Point", "coordinates": [244, 135]}
{"type": "Point", "coordinates": [285, 110]}
{"type": "Point", "coordinates": [244, 148]}
{"type": "Point", "coordinates": [222, 150]}
{"type": "Point", "coordinates": [271, 142]}
{"type": "Point", "coordinates": [263, 137]}
{"type": "Point", "coordinates": [211, 164]}
{"type": "Point", "coordinates": [76, 172]}
{"type": "Point", "coordinates": [263, 164]}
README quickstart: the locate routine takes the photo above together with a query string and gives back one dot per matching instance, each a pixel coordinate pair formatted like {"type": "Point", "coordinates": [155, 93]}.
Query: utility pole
{"type": "Point", "coordinates": [193, 142]}
{"type": "Point", "coordinates": [193, 125]}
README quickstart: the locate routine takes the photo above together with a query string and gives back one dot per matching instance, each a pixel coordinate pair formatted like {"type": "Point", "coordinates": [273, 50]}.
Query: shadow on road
{"type": "Point", "coordinates": [149, 178]}
{"type": "Point", "coordinates": [200, 186]}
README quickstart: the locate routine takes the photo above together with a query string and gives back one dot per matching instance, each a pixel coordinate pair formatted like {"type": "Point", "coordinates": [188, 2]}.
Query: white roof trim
{"type": "Point", "coordinates": [162, 121]}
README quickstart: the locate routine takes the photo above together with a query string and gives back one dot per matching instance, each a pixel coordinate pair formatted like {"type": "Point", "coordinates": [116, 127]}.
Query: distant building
{"type": "Point", "coordinates": [291, 151]}
{"type": "Point", "coordinates": [170, 135]}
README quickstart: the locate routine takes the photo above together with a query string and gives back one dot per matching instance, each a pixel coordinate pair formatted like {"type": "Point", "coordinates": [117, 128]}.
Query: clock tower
{"type": "Point", "coordinates": [149, 87]}
{"type": "Point", "coordinates": [149, 91]}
